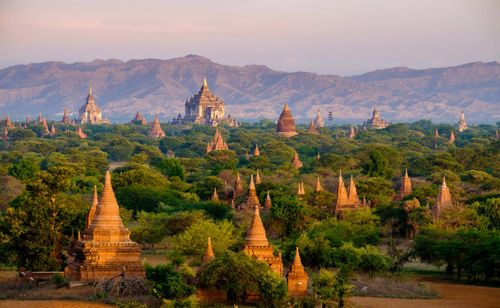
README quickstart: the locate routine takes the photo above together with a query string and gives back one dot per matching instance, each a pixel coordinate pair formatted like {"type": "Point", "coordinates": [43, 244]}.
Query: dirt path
{"type": "Point", "coordinates": [50, 304]}
{"type": "Point", "coordinates": [452, 295]}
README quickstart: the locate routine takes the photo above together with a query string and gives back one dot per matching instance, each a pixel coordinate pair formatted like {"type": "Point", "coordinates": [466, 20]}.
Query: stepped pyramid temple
{"type": "Point", "coordinates": [252, 199]}
{"type": "Point", "coordinates": [346, 200]}
{"type": "Point", "coordinates": [207, 109]}
{"type": "Point", "coordinates": [443, 200]}
{"type": "Point", "coordinates": [286, 123]}
{"type": "Point", "coordinates": [318, 121]}
{"type": "Point", "coordinates": [376, 122]}
{"type": "Point", "coordinates": [258, 246]}
{"type": "Point", "coordinates": [405, 186]}
{"type": "Point", "coordinates": [217, 144]}
{"type": "Point", "coordinates": [90, 113]}
{"type": "Point", "coordinates": [462, 124]}
{"type": "Point", "coordinates": [297, 277]}
{"type": "Point", "coordinates": [139, 119]}
{"type": "Point", "coordinates": [156, 131]}
{"type": "Point", "coordinates": [105, 250]}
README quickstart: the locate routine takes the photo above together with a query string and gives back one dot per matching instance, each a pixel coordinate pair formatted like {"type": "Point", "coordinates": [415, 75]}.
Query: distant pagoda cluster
{"type": "Point", "coordinates": [90, 113]}
{"type": "Point", "coordinates": [376, 122]}
{"type": "Point", "coordinates": [205, 108]}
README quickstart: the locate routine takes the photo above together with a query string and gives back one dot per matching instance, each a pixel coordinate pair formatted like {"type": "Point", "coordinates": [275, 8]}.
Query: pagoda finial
{"type": "Point", "coordinates": [108, 213]}
{"type": "Point", "coordinates": [318, 187]}
{"type": "Point", "coordinates": [296, 259]}
{"type": "Point", "coordinates": [205, 82]}
{"type": "Point", "coordinates": [90, 89]}
{"type": "Point", "coordinates": [252, 185]}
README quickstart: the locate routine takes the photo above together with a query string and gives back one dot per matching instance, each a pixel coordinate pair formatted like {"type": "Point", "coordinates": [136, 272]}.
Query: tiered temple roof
{"type": "Point", "coordinates": [90, 113]}
{"type": "Point", "coordinates": [206, 108]}
{"type": "Point", "coordinates": [376, 122]}
{"type": "Point", "coordinates": [443, 200]}
{"type": "Point", "coordinates": [286, 123]}
{"type": "Point", "coordinates": [105, 250]}
{"type": "Point", "coordinates": [156, 131]}
{"type": "Point", "coordinates": [297, 278]}
{"type": "Point", "coordinates": [257, 245]}
{"type": "Point", "coordinates": [217, 143]}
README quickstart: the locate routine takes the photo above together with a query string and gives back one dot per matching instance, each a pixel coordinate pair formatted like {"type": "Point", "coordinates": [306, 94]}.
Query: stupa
{"type": "Point", "coordinates": [105, 250]}
{"type": "Point", "coordinates": [405, 189]}
{"type": "Point", "coordinates": [296, 163]}
{"type": "Point", "coordinates": [268, 203]}
{"type": "Point", "coordinates": [297, 277]}
{"type": "Point", "coordinates": [286, 123]}
{"type": "Point", "coordinates": [257, 245]}
{"type": "Point", "coordinates": [346, 200]}
{"type": "Point", "coordinates": [256, 151]}
{"type": "Point", "coordinates": [312, 129]}
{"type": "Point", "coordinates": [209, 253]}
{"type": "Point", "coordinates": [156, 131]}
{"type": "Point", "coordinates": [65, 119]}
{"type": "Point", "coordinates": [443, 200]}
{"type": "Point", "coordinates": [252, 199]}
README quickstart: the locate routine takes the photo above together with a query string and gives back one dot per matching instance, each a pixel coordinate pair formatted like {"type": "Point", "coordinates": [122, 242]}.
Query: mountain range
{"type": "Point", "coordinates": [251, 92]}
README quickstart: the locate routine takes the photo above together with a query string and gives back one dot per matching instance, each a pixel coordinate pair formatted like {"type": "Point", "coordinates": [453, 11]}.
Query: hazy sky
{"type": "Point", "coordinates": [335, 36]}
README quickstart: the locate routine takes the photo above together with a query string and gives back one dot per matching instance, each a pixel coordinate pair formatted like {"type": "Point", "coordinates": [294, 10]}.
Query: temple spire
{"type": "Point", "coordinates": [406, 189]}
{"type": "Point", "coordinates": [258, 180]}
{"type": "Point", "coordinates": [318, 187]}
{"type": "Point", "coordinates": [209, 253]}
{"type": "Point", "coordinates": [268, 203]}
{"type": "Point", "coordinates": [353, 194]}
{"type": "Point", "coordinates": [256, 151]}
{"type": "Point", "coordinates": [252, 199]}
{"type": "Point", "coordinates": [91, 213]}
{"type": "Point", "coordinates": [257, 234]}
{"type": "Point", "coordinates": [205, 82]}
{"type": "Point", "coordinates": [443, 199]}
{"type": "Point", "coordinates": [215, 196]}
{"type": "Point", "coordinates": [108, 212]}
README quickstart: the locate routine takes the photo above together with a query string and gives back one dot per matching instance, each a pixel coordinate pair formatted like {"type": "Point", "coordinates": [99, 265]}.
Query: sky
{"type": "Point", "coordinates": [342, 37]}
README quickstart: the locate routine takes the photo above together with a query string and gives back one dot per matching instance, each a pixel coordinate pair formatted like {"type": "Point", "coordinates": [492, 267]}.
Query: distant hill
{"type": "Point", "coordinates": [251, 92]}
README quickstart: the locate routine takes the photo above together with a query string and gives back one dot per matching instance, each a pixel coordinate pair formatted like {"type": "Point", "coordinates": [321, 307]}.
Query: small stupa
{"type": "Point", "coordinates": [139, 119]}
{"type": "Point", "coordinates": [443, 200]}
{"type": "Point", "coordinates": [252, 199]}
{"type": "Point", "coordinates": [318, 187]}
{"type": "Point", "coordinates": [318, 121]}
{"type": "Point", "coordinates": [268, 203]}
{"type": "Point", "coordinates": [238, 186]}
{"type": "Point", "coordinates": [209, 253]}
{"type": "Point", "coordinates": [296, 163]}
{"type": "Point", "coordinates": [286, 123]}
{"type": "Point", "coordinates": [312, 130]}
{"type": "Point", "coordinates": [256, 151]}
{"type": "Point", "coordinates": [406, 189]}
{"type": "Point", "coordinates": [215, 196]}
{"type": "Point", "coordinates": [156, 131]}
{"type": "Point", "coordinates": [297, 277]}
{"type": "Point", "coordinates": [462, 124]}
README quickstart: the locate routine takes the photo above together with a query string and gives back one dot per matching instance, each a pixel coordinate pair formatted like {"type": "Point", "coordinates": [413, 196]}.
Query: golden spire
{"type": "Point", "coordinates": [205, 82]}
{"type": "Point", "coordinates": [252, 199]}
{"type": "Point", "coordinates": [405, 185]}
{"type": "Point", "coordinates": [252, 185]}
{"type": "Point", "coordinates": [353, 194]}
{"type": "Point", "coordinates": [268, 203]}
{"type": "Point", "coordinates": [256, 151]}
{"type": "Point", "coordinates": [107, 213]}
{"type": "Point", "coordinates": [258, 180]}
{"type": "Point", "coordinates": [285, 108]}
{"type": "Point", "coordinates": [296, 260]}
{"type": "Point", "coordinates": [215, 196]}
{"type": "Point", "coordinates": [318, 187]}
{"type": "Point", "coordinates": [209, 253]}
{"type": "Point", "coordinates": [257, 234]}
{"type": "Point", "coordinates": [90, 90]}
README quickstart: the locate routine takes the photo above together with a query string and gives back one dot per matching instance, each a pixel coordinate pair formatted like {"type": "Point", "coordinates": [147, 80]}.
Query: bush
{"type": "Point", "coordinates": [121, 286]}
{"type": "Point", "coordinates": [60, 281]}
{"type": "Point", "coordinates": [168, 283]}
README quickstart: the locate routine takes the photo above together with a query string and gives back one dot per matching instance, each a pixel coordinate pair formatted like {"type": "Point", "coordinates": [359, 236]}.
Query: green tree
{"type": "Point", "coordinates": [167, 282]}
{"type": "Point", "coordinates": [239, 275]}
{"type": "Point", "coordinates": [332, 286]}
{"type": "Point", "coordinates": [171, 167]}
{"type": "Point", "coordinates": [377, 166]}
{"type": "Point", "coordinates": [24, 169]}
{"type": "Point", "coordinates": [288, 214]}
